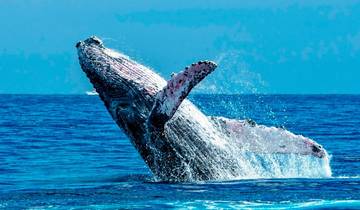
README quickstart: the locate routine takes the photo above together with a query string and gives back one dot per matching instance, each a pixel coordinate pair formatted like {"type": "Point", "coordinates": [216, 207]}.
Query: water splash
{"type": "Point", "coordinates": [269, 152]}
{"type": "Point", "coordinates": [234, 75]}
{"type": "Point", "coordinates": [255, 149]}
{"type": "Point", "coordinates": [241, 149]}
{"type": "Point", "coordinates": [282, 166]}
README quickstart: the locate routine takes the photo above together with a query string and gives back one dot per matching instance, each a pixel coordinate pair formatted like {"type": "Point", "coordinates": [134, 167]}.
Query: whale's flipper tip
{"type": "Point", "coordinates": [178, 87]}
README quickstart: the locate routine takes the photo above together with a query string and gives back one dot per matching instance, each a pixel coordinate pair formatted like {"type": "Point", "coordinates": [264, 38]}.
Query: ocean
{"type": "Point", "coordinates": [65, 152]}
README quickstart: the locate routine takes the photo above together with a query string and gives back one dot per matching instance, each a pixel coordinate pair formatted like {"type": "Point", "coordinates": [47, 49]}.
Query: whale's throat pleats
{"type": "Point", "coordinates": [168, 100]}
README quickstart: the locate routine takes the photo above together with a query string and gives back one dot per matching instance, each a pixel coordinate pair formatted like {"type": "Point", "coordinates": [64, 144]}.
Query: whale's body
{"type": "Point", "coordinates": [175, 139]}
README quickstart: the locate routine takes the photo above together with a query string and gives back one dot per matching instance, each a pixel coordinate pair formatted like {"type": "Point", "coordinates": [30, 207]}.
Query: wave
{"type": "Point", "coordinates": [349, 204]}
{"type": "Point", "coordinates": [92, 93]}
{"type": "Point", "coordinates": [347, 177]}
{"type": "Point", "coordinates": [205, 204]}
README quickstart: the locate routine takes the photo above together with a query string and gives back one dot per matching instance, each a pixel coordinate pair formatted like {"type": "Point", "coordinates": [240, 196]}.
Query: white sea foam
{"type": "Point", "coordinates": [266, 205]}
{"type": "Point", "coordinates": [247, 151]}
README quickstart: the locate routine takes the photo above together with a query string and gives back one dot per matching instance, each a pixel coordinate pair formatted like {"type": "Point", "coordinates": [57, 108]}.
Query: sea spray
{"type": "Point", "coordinates": [245, 150]}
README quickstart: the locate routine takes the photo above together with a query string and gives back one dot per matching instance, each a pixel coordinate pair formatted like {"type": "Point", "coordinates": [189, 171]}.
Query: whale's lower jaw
{"type": "Point", "coordinates": [176, 140]}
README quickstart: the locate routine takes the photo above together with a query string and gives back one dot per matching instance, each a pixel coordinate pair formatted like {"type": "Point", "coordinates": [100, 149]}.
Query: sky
{"type": "Point", "coordinates": [281, 47]}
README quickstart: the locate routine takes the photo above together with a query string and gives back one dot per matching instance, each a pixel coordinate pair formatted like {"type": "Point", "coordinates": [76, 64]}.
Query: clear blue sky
{"type": "Point", "coordinates": [261, 46]}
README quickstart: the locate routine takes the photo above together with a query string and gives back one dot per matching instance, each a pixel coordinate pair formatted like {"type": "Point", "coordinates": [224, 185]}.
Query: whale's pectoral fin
{"type": "Point", "coordinates": [267, 140]}
{"type": "Point", "coordinates": [170, 97]}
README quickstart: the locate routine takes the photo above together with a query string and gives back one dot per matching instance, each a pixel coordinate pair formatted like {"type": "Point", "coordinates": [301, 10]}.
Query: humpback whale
{"type": "Point", "coordinates": [175, 139]}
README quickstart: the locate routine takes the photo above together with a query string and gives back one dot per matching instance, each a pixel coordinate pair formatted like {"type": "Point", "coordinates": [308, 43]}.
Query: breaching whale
{"type": "Point", "coordinates": [175, 139]}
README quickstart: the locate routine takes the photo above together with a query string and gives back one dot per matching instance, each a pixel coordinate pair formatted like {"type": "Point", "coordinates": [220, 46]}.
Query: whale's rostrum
{"type": "Point", "coordinates": [176, 140]}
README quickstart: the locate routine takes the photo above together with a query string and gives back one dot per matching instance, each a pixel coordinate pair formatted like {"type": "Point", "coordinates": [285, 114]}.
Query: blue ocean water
{"type": "Point", "coordinates": [65, 152]}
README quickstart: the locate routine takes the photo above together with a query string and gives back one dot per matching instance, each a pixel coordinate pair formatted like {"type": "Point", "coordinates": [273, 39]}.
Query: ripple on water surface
{"type": "Point", "coordinates": [65, 151]}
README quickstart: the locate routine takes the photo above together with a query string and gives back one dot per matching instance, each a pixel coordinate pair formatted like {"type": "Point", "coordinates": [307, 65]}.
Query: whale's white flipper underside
{"type": "Point", "coordinates": [178, 87]}
{"type": "Point", "coordinates": [262, 139]}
